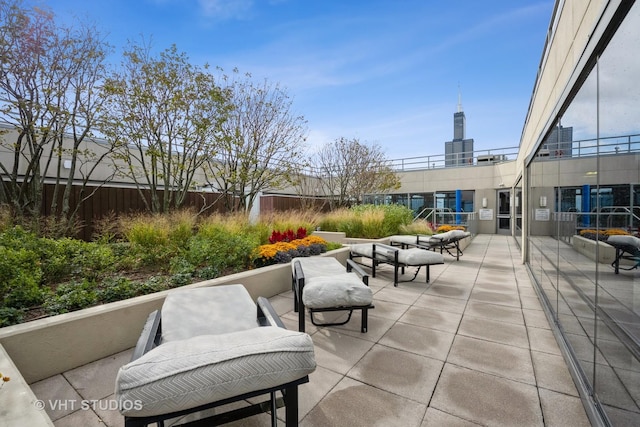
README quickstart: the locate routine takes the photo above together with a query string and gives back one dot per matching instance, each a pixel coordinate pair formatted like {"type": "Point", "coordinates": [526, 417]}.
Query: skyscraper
{"type": "Point", "coordinates": [559, 142]}
{"type": "Point", "coordinates": [460, 150]}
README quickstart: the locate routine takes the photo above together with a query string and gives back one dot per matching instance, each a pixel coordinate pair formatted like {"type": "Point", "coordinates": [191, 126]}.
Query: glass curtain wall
{"type": "Point", "coordinates": [575, 203]}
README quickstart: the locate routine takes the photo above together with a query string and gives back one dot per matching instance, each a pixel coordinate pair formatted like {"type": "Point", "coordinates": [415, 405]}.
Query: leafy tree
{"type": "Point", "coordinates": [349, 169]}
{"type": "Point", "coordinates": [50, 103]}
{"type": "Point", "coordinates": [262, 143]}
{"type": "Point", "coordinates": [165, 117]}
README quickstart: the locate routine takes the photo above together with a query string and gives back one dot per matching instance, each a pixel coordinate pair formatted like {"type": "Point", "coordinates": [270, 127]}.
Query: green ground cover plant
{"type": "Point", "coordinates": [130, 256]}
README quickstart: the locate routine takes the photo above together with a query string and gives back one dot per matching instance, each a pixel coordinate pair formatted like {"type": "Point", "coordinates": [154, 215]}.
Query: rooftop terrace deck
{"type": "Point", "coordinates": [472, 347]}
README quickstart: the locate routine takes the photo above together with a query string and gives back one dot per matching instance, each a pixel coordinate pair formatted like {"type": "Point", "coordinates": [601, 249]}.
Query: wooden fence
{"type": "Point", "coordinates": [117, 201]}
{"type": "Point", "coordinates": [274, 203]}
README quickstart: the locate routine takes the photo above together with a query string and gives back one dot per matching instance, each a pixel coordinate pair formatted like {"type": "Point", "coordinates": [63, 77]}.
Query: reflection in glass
{"type": "Point", "coordinates": [587, 168]}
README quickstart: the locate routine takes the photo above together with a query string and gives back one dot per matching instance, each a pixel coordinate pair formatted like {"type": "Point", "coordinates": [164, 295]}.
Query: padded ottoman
{"type": "Point", "coordinates": [324, 284]}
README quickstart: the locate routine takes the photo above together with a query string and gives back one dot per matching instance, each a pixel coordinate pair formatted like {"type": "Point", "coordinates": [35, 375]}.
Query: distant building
{"type": "Point", "coordinates": [460, 150]}
{"type": "Point", "coordinates": [559, 143]}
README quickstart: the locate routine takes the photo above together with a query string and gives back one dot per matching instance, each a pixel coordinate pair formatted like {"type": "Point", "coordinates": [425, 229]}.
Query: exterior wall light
{"type": "Point", "coordinates": [543, 201]}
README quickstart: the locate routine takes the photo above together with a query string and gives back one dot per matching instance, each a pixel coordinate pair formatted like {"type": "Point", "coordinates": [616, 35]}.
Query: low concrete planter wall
{"type": "Point", "coordinates": [465, 242]}
{"type": "Point", "coordinates": [19, 407]}
{"type": "Point", "coordinates": [50, 346]}
{"type": "Point", "coordinates": [587, 247]}
{"type": "Point", "coordinates": [331, 236]}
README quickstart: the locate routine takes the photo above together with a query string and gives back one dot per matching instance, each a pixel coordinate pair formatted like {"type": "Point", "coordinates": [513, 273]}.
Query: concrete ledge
{"type": "Point", "coordinates": [587, 247]}
{"type": "Point", "coordinates": [331, 236]}
{"type": "Point", "coordinates": [19, 404]}
{"type": "Point", "coordinates": [46, 347]}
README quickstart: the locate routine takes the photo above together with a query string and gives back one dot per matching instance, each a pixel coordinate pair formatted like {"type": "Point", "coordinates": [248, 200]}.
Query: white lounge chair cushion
{"type": "Point", "coordinates": [412, 256]}
{"type": "Point", "coordinates": [210, 310]}
{"type": "Point", "coordinates": [417, 256]}
{"type": "Point", "coordinates": [185, 374]}
{"type": "Point", "coordinates": [318, 266]}
{"type": "Point", "coordinates": [366, 249]}
{"type": "Point", "coordinates": [625, 240]}
{"type": "Point", "coordinates": [404, 239]}
{"type": "Point", "coordinates": [450, 235]}
{"type": "Point", "coordinates": [337, 290]}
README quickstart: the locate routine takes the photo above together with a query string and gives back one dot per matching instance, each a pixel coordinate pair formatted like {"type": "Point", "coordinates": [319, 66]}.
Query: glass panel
{"type": "Point", "coordinates": [617, 364]}
{"type": "Point", "coordinates": [583, 190]}
{"type": "Point", "coordinates": [504, 206]}
{"type": "Point", "coordinates": [517, 200]}
{"type": "Point", "coordinates": [400, 199]}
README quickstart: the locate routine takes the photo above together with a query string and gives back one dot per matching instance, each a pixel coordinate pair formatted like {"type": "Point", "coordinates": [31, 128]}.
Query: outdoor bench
{"type": "Point", "coordinates": [323, 284]}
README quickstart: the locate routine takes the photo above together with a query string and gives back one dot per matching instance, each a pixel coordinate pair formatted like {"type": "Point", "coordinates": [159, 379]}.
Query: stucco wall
{"type": "Point", "coordinates": [569, 31]}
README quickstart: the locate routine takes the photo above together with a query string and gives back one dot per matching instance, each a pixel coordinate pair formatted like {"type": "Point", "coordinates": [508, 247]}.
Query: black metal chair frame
{"type": "Point", "coordinates": [628, 252]}
{"type": "Point", "coordinates": [298, 282]}
{"type": "Point", "coordinates": [434, 244]}
{"type": "Point", "coordinates": [266, 316]}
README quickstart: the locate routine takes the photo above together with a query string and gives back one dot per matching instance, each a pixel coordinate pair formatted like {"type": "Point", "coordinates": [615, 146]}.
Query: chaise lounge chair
{"type": "Point", "coordinates": [322, 284]}
{"type": "Point", "coordinates": [208, 347]}
{"type": "Point", "coordinates": [399, 258]}
{"type": "Point", "coordinates": [627, 248]}
{"type": "Point", "coordinates": [447, 241]}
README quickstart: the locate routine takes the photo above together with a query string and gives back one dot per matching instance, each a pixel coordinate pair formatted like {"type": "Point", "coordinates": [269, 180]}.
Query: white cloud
{"type": "Point", "coordinates": [618, 89]}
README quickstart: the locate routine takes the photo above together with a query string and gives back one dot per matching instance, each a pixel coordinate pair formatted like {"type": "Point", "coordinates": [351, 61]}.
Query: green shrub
{"type": "Point", "coordinates": [180, 279]}
{"type": "Point", "coordinates": [152, 284]}
{"type": "Point", "coordinates": [69, 258]}
{"type": "Point", "coordinates": [20, 277]}
{"type": "Point", "coordinates": [368, 221]}
{"type": "Point", "coordinates": [10, 316]}
{"type": "Point", "coordinates": [116, 289]}
{"type": "Point", "coordinates": [416, 227]}
{"type": "Point", "coordinates": [333, 220]}
{"type": "Point", "coordinates": [207, 273]}
{"type": "Point", "coordinates": [333, 245]}
{"type": "Point", "coordinates": [393, 216]}
{"type": "Point", "coordinates": [218, 248]}
{"type": "Point", "coordinates": [71, 296]}
{"type": "Point", "coordinates": [181, 228]}
{"type": "Point", "coordinates": [180, 265]}
{"type": "Point", "coordinates": [149, 240]}
{"type": "Point", "coordinates": [155, 239]}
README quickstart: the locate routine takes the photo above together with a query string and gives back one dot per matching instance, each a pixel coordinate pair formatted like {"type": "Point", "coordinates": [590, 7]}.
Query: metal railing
{"type": "Point", "coordinates": [438, 217]}
{"type": "Point", "coordinates": [463, 159]}
{"type": "Point", "coordinates": [625, 144]}
{"type": "Point", "coordinates": [568, 224]}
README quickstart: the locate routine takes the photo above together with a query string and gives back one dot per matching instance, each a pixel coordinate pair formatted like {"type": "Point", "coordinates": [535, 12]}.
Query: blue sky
{"type": "Point", "coordinates": [384, 71]}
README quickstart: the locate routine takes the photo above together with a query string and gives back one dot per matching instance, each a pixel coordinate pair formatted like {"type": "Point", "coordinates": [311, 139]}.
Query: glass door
{"type": "Point", "coordinates": [504, 212]}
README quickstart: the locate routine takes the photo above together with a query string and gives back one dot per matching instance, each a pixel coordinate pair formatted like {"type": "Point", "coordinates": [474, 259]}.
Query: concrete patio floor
{"type": "Point", "coordinates": [473, 347]}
